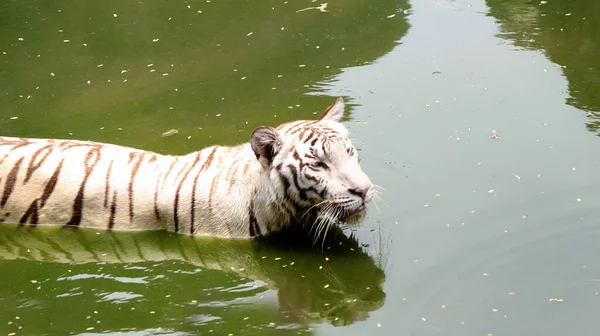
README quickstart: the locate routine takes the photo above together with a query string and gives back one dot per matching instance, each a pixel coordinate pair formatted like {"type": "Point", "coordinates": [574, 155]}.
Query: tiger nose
{"type": "Point", "coordinates": [360, 192]}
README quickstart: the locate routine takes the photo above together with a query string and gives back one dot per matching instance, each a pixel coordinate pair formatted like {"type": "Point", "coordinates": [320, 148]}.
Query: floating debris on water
{"type": "Point", "coordinates": [170, 132]}
{"type": "Point", "coordinates": [555, 300]}
{"type": "Point", "coordinates": [321, 8]}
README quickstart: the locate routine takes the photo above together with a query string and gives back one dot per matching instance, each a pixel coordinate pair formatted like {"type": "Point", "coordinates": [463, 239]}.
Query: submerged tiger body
{"type": "Point", "coordinates": [301, 172]}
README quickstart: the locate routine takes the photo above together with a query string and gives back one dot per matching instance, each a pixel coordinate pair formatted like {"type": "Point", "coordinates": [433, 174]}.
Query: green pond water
{"type": "Point", "coordinates": [477, 235]}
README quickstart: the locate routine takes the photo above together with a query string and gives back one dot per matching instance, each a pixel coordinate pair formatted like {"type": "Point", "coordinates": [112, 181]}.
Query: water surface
{"type": "Point", "coordinates": [480, 236]}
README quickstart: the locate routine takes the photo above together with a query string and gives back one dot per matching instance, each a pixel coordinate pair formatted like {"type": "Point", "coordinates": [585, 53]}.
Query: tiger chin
{"type": "Point", "coordinates": [303, 173]}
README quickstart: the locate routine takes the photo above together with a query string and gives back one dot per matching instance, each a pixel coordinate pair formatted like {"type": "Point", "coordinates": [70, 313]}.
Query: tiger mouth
{"type": "Point", "coordinates": [357, 211]}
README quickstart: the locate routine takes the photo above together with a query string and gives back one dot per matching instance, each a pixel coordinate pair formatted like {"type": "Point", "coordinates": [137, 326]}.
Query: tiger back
{"type": "Point", "coordinates": [302, 173]}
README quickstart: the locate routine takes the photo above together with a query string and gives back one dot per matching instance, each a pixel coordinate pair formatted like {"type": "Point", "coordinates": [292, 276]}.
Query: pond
{"type": "Point", "coordinates": [480, 119]}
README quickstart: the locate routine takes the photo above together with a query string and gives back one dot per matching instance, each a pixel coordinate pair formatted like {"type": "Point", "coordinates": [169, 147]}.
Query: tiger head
{"type": "Point", "coordinates": [313, 166]}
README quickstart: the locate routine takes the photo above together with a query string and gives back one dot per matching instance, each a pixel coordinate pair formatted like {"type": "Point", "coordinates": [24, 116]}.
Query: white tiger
{"type": "Point", "coordinates": [300, 173]}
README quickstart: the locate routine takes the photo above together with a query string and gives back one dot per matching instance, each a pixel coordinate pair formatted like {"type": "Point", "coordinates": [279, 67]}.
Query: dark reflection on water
{"type": "Point", "coordinates": [62, 281]}
{"type": "Point", "coordinates": [567, 32]}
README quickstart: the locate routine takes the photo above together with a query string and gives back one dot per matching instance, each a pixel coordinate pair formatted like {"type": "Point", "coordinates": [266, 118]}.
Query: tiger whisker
{"type": "Point", "coordinates": [320, 219]}
{"type": "Point", "coordinates": [307, 210]}
{"type": "Point", "coordinates": [319, 229]}
{"type": "Point", "coordinates": [315, 223]}
{"type": "Point", "coordinates": [325, 222]}
{"type": "Point", "coordinates": [330, 224]}
{"type": "Point", "coordinates": [325, 236]}
{"type": "Point", "coordinates": [376, 187]}
{"type": "Point", "coordinates": [377, 193]}
{"type": "Point", "coordinates": [327, 225]}
{"type": "Point", "coordinates": [376, 197]}
{"type": "Point", "coordinates": [353, 140]}
{"type": "Point", "coordinates": [318, 233]}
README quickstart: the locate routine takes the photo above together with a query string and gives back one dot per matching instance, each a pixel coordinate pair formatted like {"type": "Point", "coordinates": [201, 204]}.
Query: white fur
{"type": "Point", "coordinates": [208, 188]}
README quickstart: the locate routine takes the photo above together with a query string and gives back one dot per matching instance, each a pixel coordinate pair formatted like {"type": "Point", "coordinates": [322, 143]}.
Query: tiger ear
{"type": "Point", "coordinates": [335, 112]}
{"type": "Point", "coordinates": [266, 143]}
